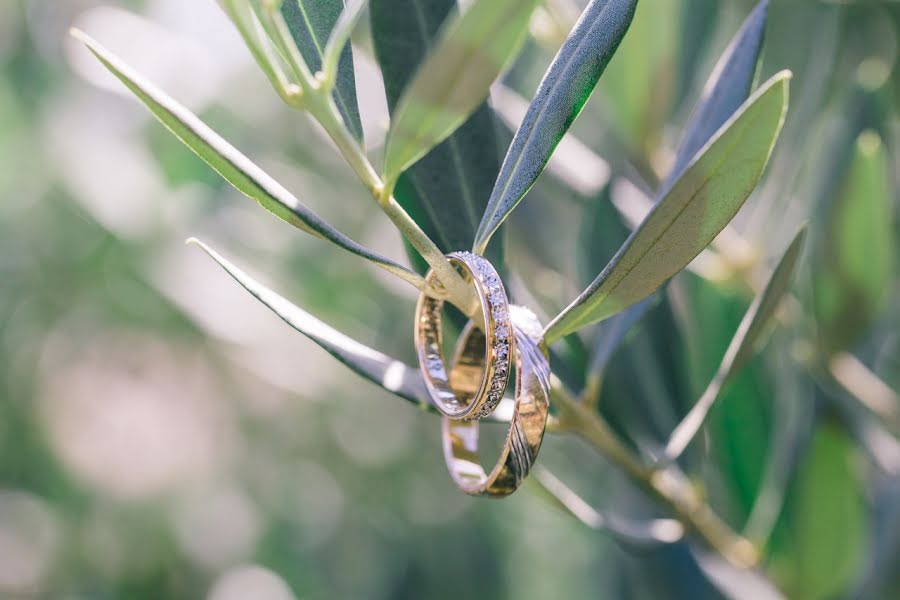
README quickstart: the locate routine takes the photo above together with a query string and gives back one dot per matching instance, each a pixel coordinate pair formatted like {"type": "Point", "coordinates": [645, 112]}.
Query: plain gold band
{"type": "Point", "coordinates": [487, 366]}
{"type": "Point", "coordinates": [529, 418]}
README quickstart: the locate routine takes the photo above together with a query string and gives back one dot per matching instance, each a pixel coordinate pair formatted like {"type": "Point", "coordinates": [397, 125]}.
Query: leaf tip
{"type": "Point", "coordinates": [80, 36]}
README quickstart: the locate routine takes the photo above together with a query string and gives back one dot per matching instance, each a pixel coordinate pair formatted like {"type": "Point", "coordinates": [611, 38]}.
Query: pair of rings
{"type": "Point", "coordinates": [501, 336]}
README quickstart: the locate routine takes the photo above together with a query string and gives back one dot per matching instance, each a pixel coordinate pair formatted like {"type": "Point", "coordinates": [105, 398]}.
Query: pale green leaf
{"type": "Point", "coordinates": [472, 50]}
{"type": "Point", "coordinates": [747, 338]}
{"type": "Point", "coordinates": [388, 373]}
{"type": "Point", "coordinates": [700, 204]}
{"type": "Point", "coordinates": [236, 168]}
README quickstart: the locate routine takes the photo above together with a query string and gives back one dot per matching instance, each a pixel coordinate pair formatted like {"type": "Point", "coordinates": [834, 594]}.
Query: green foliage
{"type": "Point", "coordinates": [311, 23]}
{"type": "Point", "coordinates": [826, 534]}
{"type": "Point", "coordinates": [732, 473]}
{"type": "Point", "coordinates": [231, 164]}
{"type": "Point", "coordinates": [447, 190]}
{"type": "Point", "coordinates": [454, 79]}
{"type": "Point", "coordinates": [705, 198]}
{"type": "Point", "coordinates": [856, 249]}
{"type": "Point", "coordinates": [565, 88]}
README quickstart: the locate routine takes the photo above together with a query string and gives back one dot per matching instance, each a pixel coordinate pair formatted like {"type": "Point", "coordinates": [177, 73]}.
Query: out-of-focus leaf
{"type": "Point", "coordinates": [340, 34]}
{"type": "Point", "coordinates": [471, 50]}
{"type": "Point", "coordinates": [745, 340]}
{"type": "Point", "coordinates": [686, 220]}
{"type": "Point", "coordinates": [823, 529]}
{"type": "Point", "coordinates": [447, 190]}
{"type": "Point", "coordinates": [724, 92]}
{"type": "Point", "coordinates": [311, 23]}
{"type": "Point", "coordinates": [639, 84]}
{"type": "Point", "coordinates": [388, 373]}
{"type": "Point", "coordinates": [566, 86]}
{"type": "Point", "coordinates": [698, 20]}
{"type": "Point", "coordinates": [856, 251]}
{"type": "Point", "coordinates": [236, 168]}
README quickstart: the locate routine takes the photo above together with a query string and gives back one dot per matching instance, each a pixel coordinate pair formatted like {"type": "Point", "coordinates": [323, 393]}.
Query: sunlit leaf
{"type": "Point", "coordinates": [725, 90]}
{"type": "Point", "coordinates": [471, 51]}
{"type": "Point", "coordinates": [447, 190]}
{"type": "Point", "coordinates": [856, 250]}
{"type": "Point", "coordinates": [236, 168]}
{"type": "Point", "coordinates": [749, 333]}
{"type": "Point", "coordinates": [388, 373]}
{"type": "Point", "coordinates": [311, 23]}
{"type": "Point", "coordinates": [559, 99]}
{"type": "Point", "coordinates": [688, 218]}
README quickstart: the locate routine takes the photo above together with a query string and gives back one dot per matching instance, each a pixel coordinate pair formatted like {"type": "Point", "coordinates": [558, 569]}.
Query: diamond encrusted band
{"type": "Point", "coordinates": [529, 417]}
{"type": "Point", "coordinates": [487, 366]}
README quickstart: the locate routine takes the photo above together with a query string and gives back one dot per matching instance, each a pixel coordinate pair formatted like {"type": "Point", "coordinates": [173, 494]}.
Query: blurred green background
{"type": "Point", "coordinates": [162, 435]}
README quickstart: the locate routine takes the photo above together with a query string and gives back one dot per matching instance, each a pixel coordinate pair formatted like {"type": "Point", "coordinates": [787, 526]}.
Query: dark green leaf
{"type": "Point", "coordinates": [454, 79]}
{"type": "Point", "coordinates": [724, 92]}
{"type": "Point", "coordinates": [445, 192]}
{"type": "Point", "coordinates": [236, 168]}
{"type": "Point", "coordinates": [748, 336]}
{"type": "Point", "coordinates": [856, 252]}
{"type": "Point", "coordinates": [311, 23]}
{"type": "Point", "coordinates": [563, 92]}
{"type": "Point", "coordinates": [688, 218]}
{"type": "Point", "coordinates": [386, 372]}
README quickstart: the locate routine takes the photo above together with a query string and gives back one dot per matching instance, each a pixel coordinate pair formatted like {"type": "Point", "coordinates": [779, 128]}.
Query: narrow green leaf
{"type": "Point", "coordinates": [747, 338]}
{"type": "Point", "coordinates": [724, 92]}
{"type": "Point", "coordinates": [236, 168]}
{"type": "Point", "coordinates": [386, 372]}
{"type": "Point", "coordinates": [471, 51]}
{"type": "Point", "coordinates": [688, 218]}
{"type": "Point", "coordinates": [856, 251]}
{"type": "Point", "coordinates": [445, 192]}
{"type": "Point", "coordinates": [311, 23]}
{"type": "Point", "coordinates": [339, 37]}
{"type": "Point", "coordinates": [824, 530]}
{"type": "Point", "coordinates": [560, 97]}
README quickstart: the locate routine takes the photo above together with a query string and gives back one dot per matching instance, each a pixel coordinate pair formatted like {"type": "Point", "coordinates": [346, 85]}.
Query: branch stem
{"type": "Point", "coordinates": [666, 485]}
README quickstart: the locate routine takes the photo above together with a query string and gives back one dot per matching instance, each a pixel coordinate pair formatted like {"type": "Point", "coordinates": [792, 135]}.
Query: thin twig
{"type": "Point", "coordinates": [666, 485]}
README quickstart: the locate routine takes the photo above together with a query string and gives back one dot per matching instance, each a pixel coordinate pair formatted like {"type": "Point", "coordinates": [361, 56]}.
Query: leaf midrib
{"type": "Point", "coordinates": [705, 181]}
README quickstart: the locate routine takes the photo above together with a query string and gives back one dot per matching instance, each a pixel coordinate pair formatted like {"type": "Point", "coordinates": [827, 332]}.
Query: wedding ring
{"type": "Point", "coordinates": [529, 417]}
{"type": "Point", "coordinates": [486, 367]}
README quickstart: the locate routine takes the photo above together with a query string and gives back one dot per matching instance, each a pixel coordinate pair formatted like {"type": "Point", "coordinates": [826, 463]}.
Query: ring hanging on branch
{"type": "Point", "coordinates": [529, 417]}
{"type": "Point", "coordinates": [485, 368]}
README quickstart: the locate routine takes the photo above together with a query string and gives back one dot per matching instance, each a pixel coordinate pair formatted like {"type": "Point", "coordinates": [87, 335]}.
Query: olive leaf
{"type": "Point", "coordinates": [236, 168]}
{"type": "Point", "coordinates": [335, 49]}
{"type": "Point", "coordinates": [856, 250]}
{"type": "Point", "coordinates": [725, 90]}
{"type": "Point", "coordinates": [471, 51]}
{"type": "Point", "coordinates": [748, 336]}
{"type": "Point", "coordinates": [447, 190]}
{"type": "Point", "coordinates": [311, 23]}
{"type": "Point", "coordinates": [386, 372]}
{"type": "Point", "coordinates": [565, 88]}
{"type": "Point", "coordinates": [700, 204]}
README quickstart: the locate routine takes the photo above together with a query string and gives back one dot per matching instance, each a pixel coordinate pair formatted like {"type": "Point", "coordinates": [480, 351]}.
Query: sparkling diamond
{"type": "Point", "coordinates": [500, 313]}
{"type": "Point", "coordinates": [502, 350]}
{"type": "Point", "coordinates": [502, 333]}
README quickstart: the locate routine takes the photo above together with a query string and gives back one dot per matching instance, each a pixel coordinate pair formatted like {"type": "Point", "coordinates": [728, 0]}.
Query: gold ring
{"type": "Point", "coordinates": [529, 417]}
{"type": "Point", "coordinates": [487, 367]}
